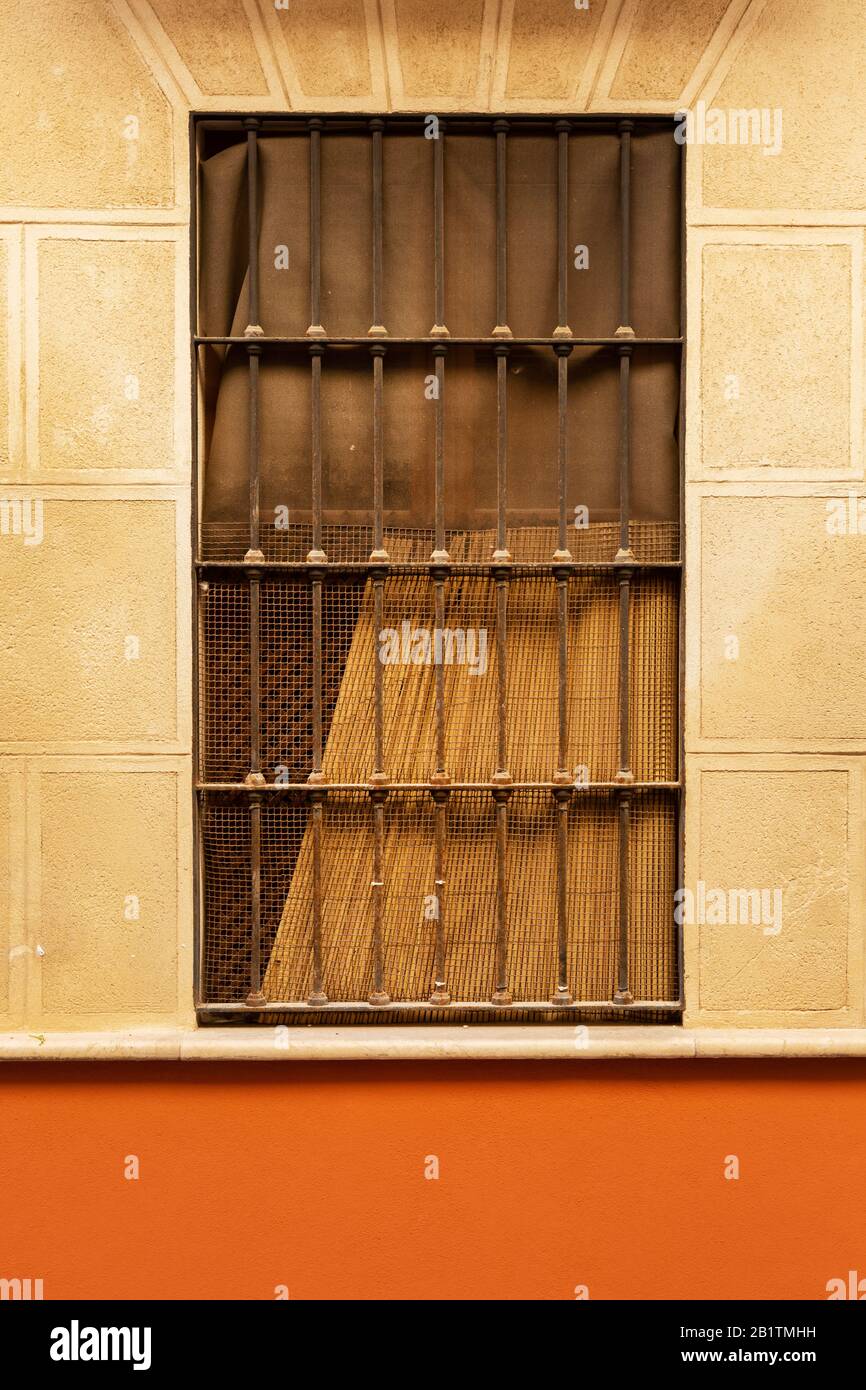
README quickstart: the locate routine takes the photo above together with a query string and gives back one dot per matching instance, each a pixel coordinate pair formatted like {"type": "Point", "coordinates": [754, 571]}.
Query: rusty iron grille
{"type": "Point", "coordinates": [438, 745]}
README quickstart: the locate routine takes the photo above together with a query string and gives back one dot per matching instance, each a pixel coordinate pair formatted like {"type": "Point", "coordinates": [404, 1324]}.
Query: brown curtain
{"type": "Point", "coordinates": [470, 445]}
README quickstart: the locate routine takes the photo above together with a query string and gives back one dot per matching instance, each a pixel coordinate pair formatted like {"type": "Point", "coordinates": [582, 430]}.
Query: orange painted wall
{"type": "Point", "coordinates": [604, 1174]}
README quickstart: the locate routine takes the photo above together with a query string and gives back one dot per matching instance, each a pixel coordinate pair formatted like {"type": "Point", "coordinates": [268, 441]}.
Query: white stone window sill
{"type": "Point", "coordinates": [429, 1044]}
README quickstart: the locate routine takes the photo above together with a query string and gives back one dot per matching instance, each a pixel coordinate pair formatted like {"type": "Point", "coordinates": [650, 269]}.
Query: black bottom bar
{"type": "Point", "coordinates": [67, 1338]}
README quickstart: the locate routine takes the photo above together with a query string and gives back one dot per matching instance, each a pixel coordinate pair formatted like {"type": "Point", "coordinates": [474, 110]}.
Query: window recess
{"type": "Point", "coordinates": [438, 568]}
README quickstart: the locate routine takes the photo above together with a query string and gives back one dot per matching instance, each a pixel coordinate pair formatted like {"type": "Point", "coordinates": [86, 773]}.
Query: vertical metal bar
{"type": "Point", "coordinates": [439, 673]}
{"type": "Point", "coordinates": [562, 555]}
{"type": "Point", "coordinates": [378, 796]}
{"type": "Point", "coordinates": [625, 329]}
{"type": "Point", "coordinates": [439, 570]}
{"type": "Point", "coordinates": [502, 561]}
{"type": "Point", "coordinates": [377, 328]}
{"type": "Point", "coordinates": [253, 556]}
{"type": "Point", "coordinates": [562, 552]}
{"type": "Point", "coordinates": [316, 615]}
{"type": "Point", "coordinates": [624, 773]}
{"type": "Point", "coordinates": [501, 675]}
{"type": "Point", "coordinates": [379, 559]}
{"type": "Point", "coordinates": [502, 994]}
{"type": "Point", "coordinates": [378, 781]}
{"type": "Point", "coordinates": [624, 554]}
{"type": "Point", "coordinates": [501, 558]}
{"type": "Point", "coordinates": [562, 792]}
{"type": "Point", "coordinates": [562, 329]}
{"type": "Point", "coordinates": [440, 780]}
{"type": "Point", "coordinates": [252, 331]}
{"type": "Point", "coordinates": [441, 994]}
{"type": "Point", "coordinates": [502, 567]}
{"type": "Point", "coordinates": [255, 997]}
{"type": "Point", "coordinates": [562, 772]}
{"type": "Point", "coordinates": [317, 995]}
{"type": "Point", "coordinates": [378, 695]}
{"type": "Point", "coordinates": [378, 554]}
{"type": "Point", "coordinates": [562, 995]}
{"type": "Point", "coordinates": [440, 553]}
{"type": "Point", "coordinates": [317, 778]}
{"type": "Point", "coordinates": [623, 993]}
{"type": "Point", "coordinates": [316, 556]}
{"type": "Point", "coordinates": [315, 127]}
{"type": "Point", "coordinates": [254, 551]}
{"type": "Point", "coordinates": [501, 330]}
{"type": "Point", "coordinates": [255, 777]}
{"type": "Point", "coordinates": [439, 329]}
{"type": "Point", "coordinates": [251, 125]}
{"type": "Point", "coordinates": [378, 994]}
{"type": "Point", "coordinates": [501, 554]}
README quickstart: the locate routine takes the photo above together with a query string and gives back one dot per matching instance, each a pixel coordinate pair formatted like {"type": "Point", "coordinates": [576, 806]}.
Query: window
{"type": "Point", "coordinates": [438, 567]}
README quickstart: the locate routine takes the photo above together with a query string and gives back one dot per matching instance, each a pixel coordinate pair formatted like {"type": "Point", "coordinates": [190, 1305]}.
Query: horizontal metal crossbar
{"type": "Point", "coordinates": [385, 340]}
{"type": "Point", "coordinates": [671, 1006]}
{"type": "Point", "coordinates": [445, 569]}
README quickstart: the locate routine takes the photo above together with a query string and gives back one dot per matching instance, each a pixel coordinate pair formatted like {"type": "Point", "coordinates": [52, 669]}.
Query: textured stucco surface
{"type": "Point", "coordinates": [776, 830]}
{"type": "Point", "coordinates": [334, 66]}
{"type": "Point", "coordinates": [775, 301]}
{"type": "Point", "coordinates": [663, 47]}
{"type": "Point", "coordinates": [103, 573]}
{"type": "Point", "coordinates": [96, 872]}
{"type": "Point", "coordinates": [106, 406]}
{"type": "Point", "coordinates": [793, 597]}
{"type": "Point", "coordinates": [73, 78]}
{"type": "Point", "coordinates": [809, 60]}
{"type": "Point", "coordinates": [776, 348]}
{"type": "Point", "coordinates": [550, 48]}
{"type": "Point", "coordinates": [221, 55]}
{"type": "Point", "coordinates": [439, 48]}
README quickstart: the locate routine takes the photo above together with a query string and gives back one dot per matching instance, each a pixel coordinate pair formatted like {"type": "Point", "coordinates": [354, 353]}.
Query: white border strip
{"type": "Point", "coordinates": [520, 1043]}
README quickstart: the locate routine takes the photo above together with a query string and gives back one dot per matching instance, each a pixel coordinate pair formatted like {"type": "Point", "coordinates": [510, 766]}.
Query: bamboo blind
{"type": "Point", "coordinates": [471, 737]}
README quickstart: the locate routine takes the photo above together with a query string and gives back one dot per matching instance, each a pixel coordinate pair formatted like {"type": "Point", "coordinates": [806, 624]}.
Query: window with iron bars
{"type": "Point", "coordinates": [437, 530]}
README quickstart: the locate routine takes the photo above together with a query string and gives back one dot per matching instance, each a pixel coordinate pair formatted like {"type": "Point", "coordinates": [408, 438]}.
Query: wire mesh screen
{"type": "Point", "coordinates": [438, 569]}
{"type": "Point", "coordinates": [411, 902]}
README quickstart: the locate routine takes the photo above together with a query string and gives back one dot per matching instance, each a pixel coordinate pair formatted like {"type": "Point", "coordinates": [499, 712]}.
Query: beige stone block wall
{"type": "Point", "coordinates": [780, 330]}
{"type": "Point", "coordinates": [809, 60]}
{"type": "Point", "coordinates": [781, 664]}
{"type": "Point", "coordinates": [92, 628]}
{"type": "Point", "coordinates": [94, 233]}
{"type": "Point", "coordinates": [107, 336]}
{"type": "Point", "coordinates": [87, 125]}
{"type": "Point", "coordinates": [790, 826]}
{"type": "Point", "coordinates": [97, 930]}
{"type": "Point", "coordinates": [108, 921]}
